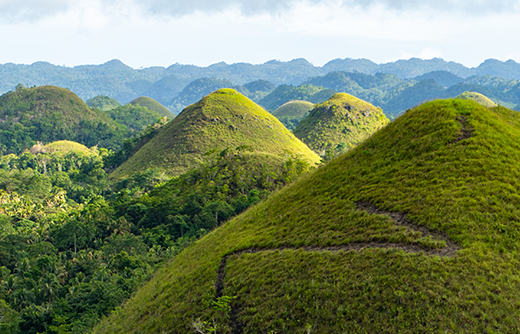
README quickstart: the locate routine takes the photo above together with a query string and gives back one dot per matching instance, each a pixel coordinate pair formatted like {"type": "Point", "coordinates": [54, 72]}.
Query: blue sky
{"type": "Point", "coordinates": [203, 32]}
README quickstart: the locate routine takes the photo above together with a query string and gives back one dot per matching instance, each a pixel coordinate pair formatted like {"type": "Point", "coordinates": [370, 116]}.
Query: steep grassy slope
{"type": "Point", "coordinates": [477, 97]}
{"type": "Point", "coordinates": [220, 120]}
{"type": "Point", "coordinates": [51, 113]}
{"type": "Point", "coordinates": [103, 102]}
{"type": "Point", "coordinates": [151, 104]}
{"type": "Point", "coordinates": [339, 124]}
{"type": "Point", "coordinates": [416, 230]}
{"type": "Point", "coordinates": [291, 113]}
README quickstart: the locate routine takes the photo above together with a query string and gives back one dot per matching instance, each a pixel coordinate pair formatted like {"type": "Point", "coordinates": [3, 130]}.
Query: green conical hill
{"type": "Point", "coordinates": [50, 113]}
{"type": "Point", "coordinates": [414, 231]}
{"type": "Point", "coordinates": [339, 124]}
{"type": "Point", "coordinates": [65, 147]}
{"type": "Point", "coordinates": [220, 120]}
{"type": "Point", "coordinates": [103, 102]}
{"type": "Point", "coordinates": [477, 97]}
{"type": "Point", "coordinates": [151, 104]}
{"type": "Point", "coordinates": [291, 113]}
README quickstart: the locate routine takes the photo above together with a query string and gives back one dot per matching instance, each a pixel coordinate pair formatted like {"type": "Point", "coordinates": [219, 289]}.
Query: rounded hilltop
{"type": "Point", "coordinates": [415, 230]}
{"type": "Point", "coordinates": [291, 113]}
{"type": "Point", "coordinates": [222, 119]}
{"type": "Point", "coordinates": [477, 97]}
{"type": "Point", "coordinates": [50, 113]}
{"type": "Point", "coordinates": [152, 104]}
{"type": "Point", "coordinates": [64, 147]}
{"type": "Point", "coordinates": [340, 123]}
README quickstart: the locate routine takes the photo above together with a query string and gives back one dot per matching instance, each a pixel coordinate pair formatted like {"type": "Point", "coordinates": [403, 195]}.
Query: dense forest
{"type": "Point", "coordinates": [124, 83]}
{"type": "Point", "coordinates": [74, 245]}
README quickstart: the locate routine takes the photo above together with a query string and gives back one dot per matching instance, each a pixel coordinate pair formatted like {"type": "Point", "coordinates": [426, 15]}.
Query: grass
{"type": "Point", "coordinates": [477, 97]}
{"type": "Point", "coordinates": [467, 189]}
{"type": "Point", "coordinates": [340, 123]}
{"type": "Point", "coordinates": [291, 113]}
{"type": "Point", "coordinates": [151, 104]}
{"type": "Point", "coordinates": [66, 146]}
{"type": "Point", "coordinates": [50, 113]}
{"type": "Point", "coordinates": [103, 102]}
{"type": "Point", "coordinates": [220, 120]}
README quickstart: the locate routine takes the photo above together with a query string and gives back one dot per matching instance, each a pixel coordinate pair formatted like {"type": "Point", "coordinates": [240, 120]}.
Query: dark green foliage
{"type": "Point", "coordinates": [130, 146]}
{"type": "Point", "coordinates": [135, 116]}
{"type": "Point", "coordinates": [103, 103]}
{"type": "Point", "coordinates": [50, 113]}
{"type": "Point", "coordinates": [231, 181]}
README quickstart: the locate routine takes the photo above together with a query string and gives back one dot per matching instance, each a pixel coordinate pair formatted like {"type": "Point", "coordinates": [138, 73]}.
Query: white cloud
{"type": "Point", "coordinates": [94, 31]}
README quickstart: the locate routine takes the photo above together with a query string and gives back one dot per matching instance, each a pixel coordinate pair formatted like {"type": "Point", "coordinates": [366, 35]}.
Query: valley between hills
{"type": "Point", "coordinates": [349, 198]}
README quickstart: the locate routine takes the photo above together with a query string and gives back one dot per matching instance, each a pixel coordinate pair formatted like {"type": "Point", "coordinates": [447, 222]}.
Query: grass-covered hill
{"type": "Point", "coordinates": [414, 231]}
{"type": "Point", "coordinates": [103, 102]}
{"type": "Point", "coordinates": [340, 123]}
{"type": "Point", "coordinates": [50, 113]}
{"type": "Point", "coordinates": [151, 104]}
{"type": "Point", "coordinates": [291, 113]}
{"type": "Point", "coordinates": [223, 119]}
{"type": "Point", "coordinates": [477, 97]}
{"type": "Point", "coordinates": [286, 93]}
{"type": "Point", "coordinates": [64, 147]}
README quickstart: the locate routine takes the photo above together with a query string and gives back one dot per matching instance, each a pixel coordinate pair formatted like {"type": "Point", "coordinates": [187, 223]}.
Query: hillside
{"type": "Point", "coordinates": [135, 116]}
{"type": "Point", "coordinates": [339, 124]}
{"type": "Point", "coordinates": [286, 93]}
{"type": "Point", "coordinates": [64, 147]}
{"type": "Point", "coordinates": [223, 119]}
{"type": "Point", "coordinates": [50, 113]}
{"type": "Point", "coordinates": [413, 231]}
{"type": "Point", "coordinates": [291, 113]}
{"type": "Point", "coordinates": [103, 102]}
{"type": "Point", "coordinates": [151, 104]}
{"type": "Point", "coordinates": [477, 97]}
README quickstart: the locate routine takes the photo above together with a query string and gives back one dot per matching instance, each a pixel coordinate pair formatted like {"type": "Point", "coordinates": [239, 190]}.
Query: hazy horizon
{"type": "Point", "coordinates": [202, 32]}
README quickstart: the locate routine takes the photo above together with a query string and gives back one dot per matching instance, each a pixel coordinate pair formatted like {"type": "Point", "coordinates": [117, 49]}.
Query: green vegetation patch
{"type": "Point", "coordinates": [64, 147]}
{"type": "Point", "coordinates": [477, 97]}
{"type": "Point", "coordinates": [103, 102]}
{"type": "Point", "coordinates": [450, 165]}
{"type": "Point", "coordinates": [135, 116]}
{"type": "Point", "coordinates": [339, 124]}
{"type": "Point", "coordinates": [291, 113]}
{"type": "Point", "coordinates": [48, 114]}
{"type": "Point", "coordinates": [220, 120]}
{"type": "Point", "coordinates": [151, 104]}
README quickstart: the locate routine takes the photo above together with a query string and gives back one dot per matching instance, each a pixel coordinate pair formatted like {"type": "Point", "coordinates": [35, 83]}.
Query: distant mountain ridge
{"type": "Point", "coordinates": [119, 81]}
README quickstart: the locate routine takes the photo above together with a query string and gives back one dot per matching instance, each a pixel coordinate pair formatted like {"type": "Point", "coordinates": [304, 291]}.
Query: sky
{"type": "Point", "coordinates": [145, 33]}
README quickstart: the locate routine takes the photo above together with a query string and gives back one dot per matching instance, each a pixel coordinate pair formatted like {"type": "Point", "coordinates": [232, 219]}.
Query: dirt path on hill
{"type": "Point", "coordinates": [466, 131]}
{"type": "Point", "coordinates": [397, 217]}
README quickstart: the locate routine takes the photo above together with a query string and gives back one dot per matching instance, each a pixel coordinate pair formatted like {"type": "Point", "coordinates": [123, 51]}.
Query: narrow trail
{"type": "Point", "coordinates": [398, 218]}
{"type": "Point", "coordinates": [466, 131]}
